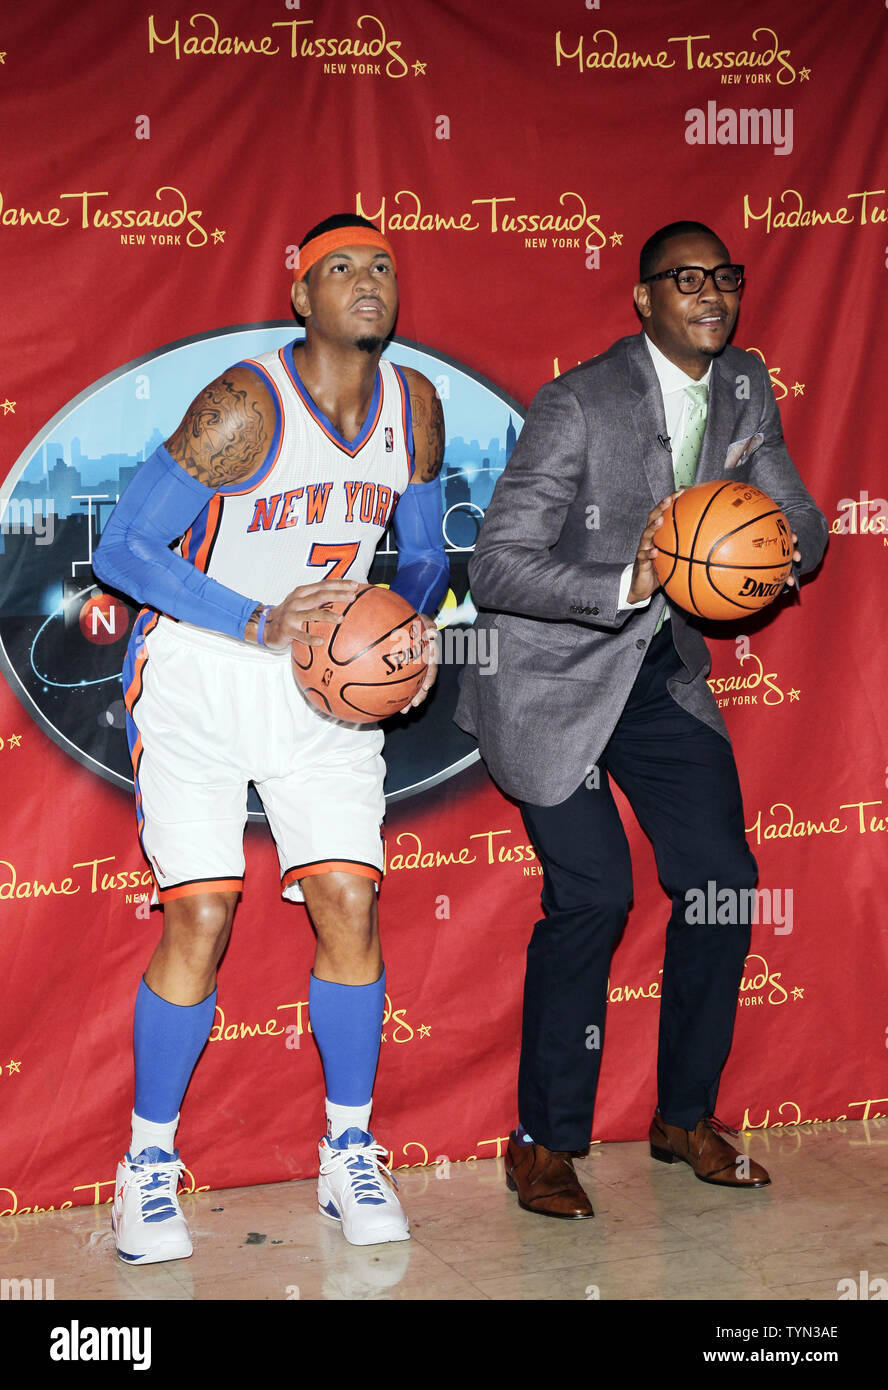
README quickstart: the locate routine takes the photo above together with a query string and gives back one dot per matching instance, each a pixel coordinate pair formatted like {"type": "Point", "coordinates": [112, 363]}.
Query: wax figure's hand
{"type": "Point", "coordinates": [285, 623]}
{"type": "Point", "coordinates": [644, 576]}
{"type": "Point", "coordinates": [430, 647]}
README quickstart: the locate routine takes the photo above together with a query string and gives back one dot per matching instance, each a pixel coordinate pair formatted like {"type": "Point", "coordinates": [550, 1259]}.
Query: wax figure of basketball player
{"type": "Point", "coordinates": [592, 674]}
{"type": "Point", "coordinates": [280, 482]}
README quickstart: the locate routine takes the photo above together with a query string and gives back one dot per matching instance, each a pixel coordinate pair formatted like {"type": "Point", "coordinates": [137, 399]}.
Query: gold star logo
{"type": "Point", "coordinates": [424, 1030]}
{"type": "Point", "coordinates": [2, 57]}
{"type": "Point", "coordinates": [794, 695]}
{"type": "Point", "coordinates": [13, 1067]}
{"type": "Point", "coordinates": [798, 993]}
{"type": "Point", "coordinates": [15, 740]}
{"type": "Point", "coordinates": [804, 74]}
{"type": "Point", "coordinates": [616, 238]}
{"type": "Point", "coordinates": [419, 69]}
{"type": "Point", "coordinates": [798, 388]}
{"type": "Point", "coordinates": [8, 407]}
{"type": "Point", "coordinates": [218, 236]}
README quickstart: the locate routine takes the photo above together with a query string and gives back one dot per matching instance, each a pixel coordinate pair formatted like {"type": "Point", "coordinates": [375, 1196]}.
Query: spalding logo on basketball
{"type": "Point", "coordinates": [370, 665]}
{"type": "Point", "coordinates": [724, 549]}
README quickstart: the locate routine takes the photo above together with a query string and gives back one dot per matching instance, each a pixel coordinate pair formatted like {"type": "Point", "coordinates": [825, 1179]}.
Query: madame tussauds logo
{"type": "Point", "coordinates": [862, 515]}
{"type": "Point", "coordinates": [206, 39]}
{"type": "Point", "coordinates": [601, 51]}
{"type": "Point", "coordinates": [736, 689]}
{"type": "Point", "coordinates": [406, 212]}
{"type": "Point", "coordinates": [90, 211]}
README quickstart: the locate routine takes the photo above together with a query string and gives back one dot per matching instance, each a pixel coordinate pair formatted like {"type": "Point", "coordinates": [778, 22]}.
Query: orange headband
{"type": "Point", "coordinates": [323, 245]}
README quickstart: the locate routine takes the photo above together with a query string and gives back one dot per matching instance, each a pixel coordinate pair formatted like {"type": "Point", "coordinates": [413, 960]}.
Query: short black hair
{"type": "Point", "coordinates": [651, 250]}
{"type": "Point", "coordinates": [332, 224]}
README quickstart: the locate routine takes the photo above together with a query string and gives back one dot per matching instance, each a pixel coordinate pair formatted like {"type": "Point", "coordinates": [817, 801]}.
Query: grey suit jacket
{"type": "Point", "coordinates": [546, 570]}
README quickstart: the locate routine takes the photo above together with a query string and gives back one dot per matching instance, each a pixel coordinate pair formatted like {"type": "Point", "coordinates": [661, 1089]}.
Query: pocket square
{"type": "Point", "coordinates": [742, 450]}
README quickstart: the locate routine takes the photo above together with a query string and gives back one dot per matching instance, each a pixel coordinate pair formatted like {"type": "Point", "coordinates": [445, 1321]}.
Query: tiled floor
{"type": "Point", "coordinates": [658, 1234]}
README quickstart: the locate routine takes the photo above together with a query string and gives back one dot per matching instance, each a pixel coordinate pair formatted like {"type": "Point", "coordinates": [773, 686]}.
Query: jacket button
{"type": "Point", "coordinates": [641, 644]}
{"type": "Point", "coordinates": [592, 610]}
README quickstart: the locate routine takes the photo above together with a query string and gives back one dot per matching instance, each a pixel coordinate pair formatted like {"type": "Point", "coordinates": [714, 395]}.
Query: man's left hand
{"type": "Point", "coordinates": [797, 558]}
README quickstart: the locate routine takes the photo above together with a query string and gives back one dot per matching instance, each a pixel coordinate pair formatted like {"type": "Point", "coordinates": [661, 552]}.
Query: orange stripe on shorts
{"type": "Point", "coordinates": [203, 885]}
{"type": "Point", "coordinates": [331, 866]}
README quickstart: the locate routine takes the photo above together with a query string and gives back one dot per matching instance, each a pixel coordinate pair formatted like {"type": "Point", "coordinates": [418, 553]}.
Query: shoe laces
{"type": "Point", "coordinates": [157, 1184]}
{"type": "Point", "coordinates": [719, 1125]}
{"type": "Point", "coordinates": [366, 1176]}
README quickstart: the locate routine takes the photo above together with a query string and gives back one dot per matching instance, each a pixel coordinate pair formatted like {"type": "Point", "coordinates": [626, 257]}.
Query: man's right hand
{"type": "Point", "coordinates": [644, 576]}
{"type": "Point", "coordinates": [285, 623]}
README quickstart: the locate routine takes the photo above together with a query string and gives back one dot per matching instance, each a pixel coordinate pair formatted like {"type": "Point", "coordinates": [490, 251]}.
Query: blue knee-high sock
{"type": "Point", "coordinates": [167, 1041]}
{"type": "Point", "coordinates": [347, 1023]}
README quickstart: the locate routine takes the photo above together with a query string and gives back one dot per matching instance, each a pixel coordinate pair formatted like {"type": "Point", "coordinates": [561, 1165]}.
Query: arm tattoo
{"type": "Point", "coordinates": [222, 438]}
{"type": "Point", "coordinates": [428, 434]}
{"type": "Point", "coordinates": [435, 441]}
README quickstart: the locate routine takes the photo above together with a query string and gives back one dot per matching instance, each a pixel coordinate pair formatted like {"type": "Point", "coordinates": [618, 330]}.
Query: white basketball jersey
{"type": "Point", "coordinates": [319, 504]}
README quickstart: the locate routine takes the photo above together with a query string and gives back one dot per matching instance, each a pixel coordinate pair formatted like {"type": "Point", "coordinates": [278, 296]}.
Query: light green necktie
{"type": "Point", "coordinates": [684, 467]}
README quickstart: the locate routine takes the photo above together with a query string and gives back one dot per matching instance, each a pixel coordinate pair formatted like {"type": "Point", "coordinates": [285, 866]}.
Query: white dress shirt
{"type": "Point", "coordinates": [676, 406]}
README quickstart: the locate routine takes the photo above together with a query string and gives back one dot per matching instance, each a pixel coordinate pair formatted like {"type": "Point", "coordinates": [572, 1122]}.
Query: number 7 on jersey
{"type": "Point", "coordinates": [342, 557]}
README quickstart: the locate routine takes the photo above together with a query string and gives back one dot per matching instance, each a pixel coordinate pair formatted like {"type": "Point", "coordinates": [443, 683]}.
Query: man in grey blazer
{"type": "Point", "coordinates": [598, 677]}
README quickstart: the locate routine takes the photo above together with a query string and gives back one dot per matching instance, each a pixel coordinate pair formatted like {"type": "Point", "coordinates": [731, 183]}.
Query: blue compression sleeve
{"type": "Point", "coordinates": [423, 569]}
{"type": "Point", "coordinates": [133, 556]}
{"type": "Point", "coordinates": [347, 1024]}
{"type": "Point", "coordinates": [167, 1041]}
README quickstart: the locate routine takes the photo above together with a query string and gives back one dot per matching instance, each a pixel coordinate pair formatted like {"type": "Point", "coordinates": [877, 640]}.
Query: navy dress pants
{"type": "Point", "coordinates": [680, 778]}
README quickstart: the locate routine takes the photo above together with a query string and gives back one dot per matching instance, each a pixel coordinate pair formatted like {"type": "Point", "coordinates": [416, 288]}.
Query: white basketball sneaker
{"type": "Point", "coordinates": [145, 1216]}
{"type": "Point", "coordinates": [356, 1189]}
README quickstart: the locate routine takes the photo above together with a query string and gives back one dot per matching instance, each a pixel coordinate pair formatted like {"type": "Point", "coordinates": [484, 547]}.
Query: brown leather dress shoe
{"type": "Point", "coordinates": [712, 1158]}
{"type": "Point", "coordinates": [545, 1181]}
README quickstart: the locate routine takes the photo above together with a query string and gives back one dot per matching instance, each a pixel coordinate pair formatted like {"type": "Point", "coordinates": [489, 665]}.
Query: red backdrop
{"type": "Point", "coordinates": [468, 131]}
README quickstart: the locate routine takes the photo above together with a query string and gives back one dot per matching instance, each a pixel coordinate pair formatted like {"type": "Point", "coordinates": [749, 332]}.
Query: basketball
{"type": "Point", "coordinates": [725, 549]}
{"type": "Point", "coordinates": [370, 665]}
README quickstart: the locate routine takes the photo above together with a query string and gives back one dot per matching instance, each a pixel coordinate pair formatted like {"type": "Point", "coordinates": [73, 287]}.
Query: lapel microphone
{"type": "Point", "coordinates": [664, 440]}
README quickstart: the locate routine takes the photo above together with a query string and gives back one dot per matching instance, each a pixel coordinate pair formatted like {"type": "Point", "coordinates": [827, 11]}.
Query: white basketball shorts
{"type": "Point", "coordinates": [207, 715]}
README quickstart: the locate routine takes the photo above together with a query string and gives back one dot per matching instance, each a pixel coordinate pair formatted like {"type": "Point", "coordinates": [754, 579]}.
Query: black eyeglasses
{"type": "Point", "coordinates": [690, 279]}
